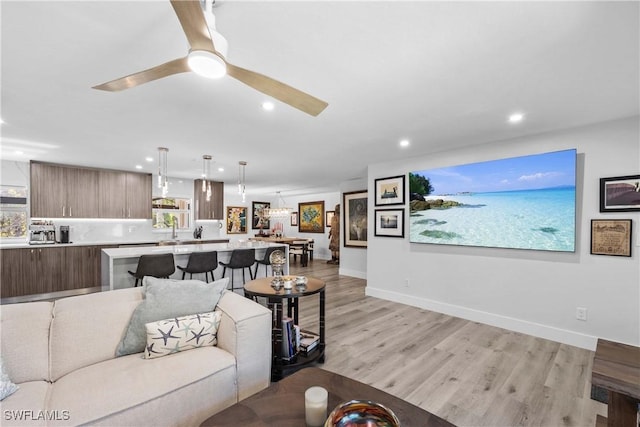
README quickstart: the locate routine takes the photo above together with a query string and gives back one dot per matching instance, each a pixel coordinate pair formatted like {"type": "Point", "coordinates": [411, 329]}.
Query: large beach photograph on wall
{"type": "Point", "coordinates": [526, 202]}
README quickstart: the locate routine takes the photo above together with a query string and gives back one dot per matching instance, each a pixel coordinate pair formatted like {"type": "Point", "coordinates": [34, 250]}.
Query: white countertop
{"type": "Point", "coordinates": [136, 251]}
{"type": "Point", "coordinates": [22, 244]}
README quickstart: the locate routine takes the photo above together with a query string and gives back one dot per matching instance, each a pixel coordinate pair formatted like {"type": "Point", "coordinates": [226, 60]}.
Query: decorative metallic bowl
{"type": "Point", "coordinates": [361, 413]}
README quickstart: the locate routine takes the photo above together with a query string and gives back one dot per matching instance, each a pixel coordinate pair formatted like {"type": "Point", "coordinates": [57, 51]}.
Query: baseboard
{"type": "Point", "coordinates": [530, 328]}
{"type": "Point", "coordinates": [352, 273]}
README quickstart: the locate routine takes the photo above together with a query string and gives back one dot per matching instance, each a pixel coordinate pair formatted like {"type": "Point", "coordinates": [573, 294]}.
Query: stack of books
{"type": "Point", "coordinates": [308, 342]}
{"type": "Point", "coordinates": [290, 339]}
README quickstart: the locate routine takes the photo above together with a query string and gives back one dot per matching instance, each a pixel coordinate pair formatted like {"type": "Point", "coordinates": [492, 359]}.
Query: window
{"type": "Point", "coordinates": [13, 212]}
{"type": "Point", "coordinates": [167, 210]}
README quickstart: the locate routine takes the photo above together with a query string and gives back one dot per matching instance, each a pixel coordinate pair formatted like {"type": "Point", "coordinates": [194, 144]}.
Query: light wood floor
{"type": "Point", "coordinates": [466, 372]}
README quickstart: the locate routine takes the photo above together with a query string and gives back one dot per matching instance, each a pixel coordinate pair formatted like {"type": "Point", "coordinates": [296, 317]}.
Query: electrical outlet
{"type": "Point", "coordinates": [581, 313]}
{"type": "Point", "coordinates": [406, 283]}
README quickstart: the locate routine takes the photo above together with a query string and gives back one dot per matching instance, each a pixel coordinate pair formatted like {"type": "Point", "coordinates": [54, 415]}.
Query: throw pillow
{"type": "Point", "coordinates": [181, 333]}
{"type": "Point", "coordinates": [165, 299]}
{"type": "Point", "coordinates": [7, 387]}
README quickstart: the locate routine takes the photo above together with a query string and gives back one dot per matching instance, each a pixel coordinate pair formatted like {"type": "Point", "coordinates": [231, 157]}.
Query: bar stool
{"type": "Point", "coordinates": [160, 265]}
{"type": "Point", "coordinates": [240, 258]}
{"type": "Point", "coordinates": [265, 261]}
{"type": "Point", "coordinates": [201, 262]}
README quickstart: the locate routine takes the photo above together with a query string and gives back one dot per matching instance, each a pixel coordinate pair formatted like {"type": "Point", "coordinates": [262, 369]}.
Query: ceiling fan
{"type": "Point", "coordinates": [207, 59]}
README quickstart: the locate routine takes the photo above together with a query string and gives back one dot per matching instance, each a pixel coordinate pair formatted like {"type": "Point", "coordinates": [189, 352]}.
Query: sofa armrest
{"type": "Point", "coordinates": [245, 332]}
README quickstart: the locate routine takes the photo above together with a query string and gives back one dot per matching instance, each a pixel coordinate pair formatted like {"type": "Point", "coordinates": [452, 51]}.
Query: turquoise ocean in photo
{"type": "Point", "coordinates": [541, 219]}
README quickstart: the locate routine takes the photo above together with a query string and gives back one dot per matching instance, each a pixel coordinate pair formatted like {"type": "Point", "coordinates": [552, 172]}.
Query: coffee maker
{"type": "Point", "coordinates": [42, 233]}
{"type": "Point", "coordinates": [64, 234]}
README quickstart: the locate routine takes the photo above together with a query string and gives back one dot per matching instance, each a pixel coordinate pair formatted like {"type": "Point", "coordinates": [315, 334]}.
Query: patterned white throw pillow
{"type": "Point", "coordinates": [170, 336]}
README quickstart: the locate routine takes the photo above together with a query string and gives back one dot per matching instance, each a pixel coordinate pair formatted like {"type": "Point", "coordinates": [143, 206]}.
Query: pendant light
{"type": "Point", "coordinates": [163, 180]}
{"type": "Point", "coordinates": [241, 180]}
{"type": "Point", "coordinates": [206, 173]}
{"type": "Point", "coordinates": [280, 211]}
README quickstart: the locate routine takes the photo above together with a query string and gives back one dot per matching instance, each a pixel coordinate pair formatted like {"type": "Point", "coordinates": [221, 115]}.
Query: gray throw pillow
{"type": "Point", "coordinates": [167, 298]}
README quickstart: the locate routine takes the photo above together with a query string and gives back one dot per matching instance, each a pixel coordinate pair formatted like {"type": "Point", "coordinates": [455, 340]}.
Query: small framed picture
{"type": "Point", "coordinates": [620, 194]}
{"type": "Point", "coordinates": [259, 220]}
{"type": "Point", "coordinates": [311, 217]}
{"type": "Point", "coordinates": [390, 191]}
{"type": "Point", "coordinates": [294, 218]}
{"type": "Point", "coordinates": [355, 219]}
{"type": "Point", "coordinates": [389, 222]}
{"type": "Point", "coordinates": [236, 220]}
{"type": "Point", "coordinates": [328, 217]}
{"type": "Point", "coordinates": [611, 237]}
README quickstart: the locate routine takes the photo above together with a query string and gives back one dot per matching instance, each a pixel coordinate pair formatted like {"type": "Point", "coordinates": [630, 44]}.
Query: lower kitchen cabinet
{"type": "Point", "coordinates": [43, 270]}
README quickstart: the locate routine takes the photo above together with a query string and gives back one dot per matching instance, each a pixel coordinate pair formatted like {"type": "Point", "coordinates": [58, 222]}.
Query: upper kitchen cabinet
{"type": "Point", "coordinates": [139, 195]}
{"type": "Point", "coordinates": [63, 192]}
{"type": "Point", "coordinates": [124, 194]}
{"type": "Point", "coordinates": [59, 191]}
{"type": "Point", "coordinates": [212, 208]}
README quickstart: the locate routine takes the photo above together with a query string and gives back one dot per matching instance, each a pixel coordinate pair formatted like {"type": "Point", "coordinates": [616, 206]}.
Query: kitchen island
{"type": "Point", "coordinates": [117, 262]}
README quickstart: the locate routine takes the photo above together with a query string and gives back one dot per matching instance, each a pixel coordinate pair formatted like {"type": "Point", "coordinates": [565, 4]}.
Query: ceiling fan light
{"type": "Point", "coordinates": [206, 64]}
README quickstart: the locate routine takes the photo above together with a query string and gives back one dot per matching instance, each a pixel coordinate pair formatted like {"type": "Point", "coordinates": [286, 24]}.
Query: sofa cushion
{"type": "Point", "coordinates": [108, 388]}
{"type": "Point", "coordinates": [86, 329]}
{"type": "Point", "coordinates": [23, 408]}
{"type": "Point", "coordinates": [164, 299]}
{"type": "Point", "coordinates": [24, 330]}
{"type": "Point", "coordinates": [170, 336]}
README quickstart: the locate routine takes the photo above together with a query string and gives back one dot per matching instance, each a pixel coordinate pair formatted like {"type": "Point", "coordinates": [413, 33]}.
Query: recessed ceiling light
{"type": "Point", "coordinates": [138, 166]}
{"type": "Point", "coordinates": [268, 105]}
{"type": "Point", "coordinates": [19, 153]}
{"type": "Point", "coordinates": [149, 159]}
{"type": "Point", "coordinates": [404, 143]}
{"type": "Point", "coordinates": [516, 118]}
{"type": "Point", "coordinates": [220, 169]}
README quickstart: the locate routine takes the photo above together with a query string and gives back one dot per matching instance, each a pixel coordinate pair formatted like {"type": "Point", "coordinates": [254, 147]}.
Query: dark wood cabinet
{"type": "Point", "coordinates": [112, 195]}
{"type": "Point", "coordinates": [138, 195]}
{"type": "Point", "coordinates": [212, 208]}
{"type": "Point", "coordinates": [51, 269]}
{"type": "Point", "coordinates": [63, 192]}
{"type": "Point", "coordinates": [59, 191]}
{"type": "Point", "coordinates": [32, 271]}
{"type": "Point", "coordinates": [83, 267]}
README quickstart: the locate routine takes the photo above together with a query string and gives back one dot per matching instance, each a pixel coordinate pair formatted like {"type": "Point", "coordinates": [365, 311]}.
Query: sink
{"type": "Point", "coordinates": [170, 242]}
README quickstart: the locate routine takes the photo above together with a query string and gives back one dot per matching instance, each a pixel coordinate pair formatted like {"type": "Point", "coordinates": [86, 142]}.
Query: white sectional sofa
{"type": "Point", "coordinates": [62, 356]}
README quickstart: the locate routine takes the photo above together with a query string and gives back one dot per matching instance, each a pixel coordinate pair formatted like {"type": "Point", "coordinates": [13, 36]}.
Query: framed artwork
{"type": "Point", "coordinates": [294, 219]}
{"type": "Point", "coordinates": [611, 237]}
{"type": "Point", "coordinates": [328, 216]}
{"type": "Point", "coordinates": [389, 222]}
{"type": "Point", "coordinates": [390, 191]}
{"type": "Point", "coordinates": [620, 194]}
{"type": "Point", "coordinates": [311, 217]}
{"type": "Point", "coordinates": [355, 219]}
{"type": "Point", "coordinates": [259, 221]}
{"type": "Point", "coordinates": [236, 220]}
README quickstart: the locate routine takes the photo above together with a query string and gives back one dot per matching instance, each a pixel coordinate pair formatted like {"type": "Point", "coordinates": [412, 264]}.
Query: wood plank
{"type": "Point", "coordinates": [460, 370]}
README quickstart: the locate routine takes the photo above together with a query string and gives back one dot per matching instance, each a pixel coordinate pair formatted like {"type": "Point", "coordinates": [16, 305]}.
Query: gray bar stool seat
{"type": "Point", "coordinates": [201, 262]}
{"type": "Point", "coordinates": [240, 259]}
{"type": "Point", "coordinates": [161, 265]}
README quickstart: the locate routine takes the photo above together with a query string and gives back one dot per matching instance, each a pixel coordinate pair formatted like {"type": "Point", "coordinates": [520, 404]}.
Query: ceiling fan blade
{"type": "Point", "coordinates": [285, 93]}
{"type": "Point", "coordinates": [168, 68]}
{"type": "Point", "coordinates": [193, 24]}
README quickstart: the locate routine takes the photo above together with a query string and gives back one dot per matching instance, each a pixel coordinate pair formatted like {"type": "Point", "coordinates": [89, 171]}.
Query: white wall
{"type": "Point", "coordinates": [353, 261]}
{"type": "Point", "coordinates": [534, 292]}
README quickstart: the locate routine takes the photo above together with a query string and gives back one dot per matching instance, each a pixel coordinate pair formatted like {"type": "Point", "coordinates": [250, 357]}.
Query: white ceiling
{"type": "Point", "coordinates": [441, 74]}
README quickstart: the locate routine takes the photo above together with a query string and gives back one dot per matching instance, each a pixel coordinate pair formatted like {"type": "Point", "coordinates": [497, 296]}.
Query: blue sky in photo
{"type": "Point", "coordinates": [532, 172]}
